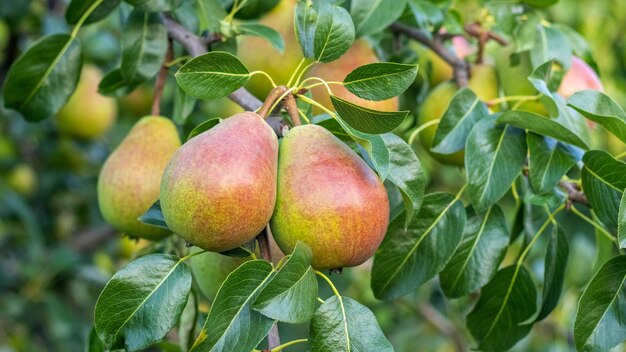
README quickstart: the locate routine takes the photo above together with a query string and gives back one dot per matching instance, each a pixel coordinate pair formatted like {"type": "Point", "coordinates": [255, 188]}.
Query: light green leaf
{"type": "Point", "coordinates": [367, 120]}
{"type": "Point", "coordinates": [543, 126]}
{"type": "Point", "coordinates": [142, 302]}
{"type": "Point", "coordinates": [212, 75]}
{"type": "Point", "coordinates": [600, 323]}
{"type": "Point", "coordinates": [265, 32]}
{"type": "Point", "coordinates": [381, 80]}
{"type": "Point", "coordinates": [373, 16]}
{"type": "Point", "coordinates": [334, 33]}
{"type": "Point", "coordinates": [600, 108]}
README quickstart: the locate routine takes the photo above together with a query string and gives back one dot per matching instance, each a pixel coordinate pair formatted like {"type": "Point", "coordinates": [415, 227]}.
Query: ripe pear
{"type": "Point", "coordinates": [483, 82]}
{"type": "Point", "coordinates": [87, 114]}
{"type": "Point", "coordinates": [259, 55]}
{"type": "Point", "coordinates": [130, 179]}
{"type": "Point", "coordinates": [219, 189]}
{"type": "Point", "coordinates": [359, 54]}
{"type": "Point", "coordinates": [580, 76]}
{"type": "Point", "coordinates": [329, 199]}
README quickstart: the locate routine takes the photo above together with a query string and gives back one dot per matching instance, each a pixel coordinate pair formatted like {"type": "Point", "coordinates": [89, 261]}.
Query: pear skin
{"type": "Point", "coordinates": [359, 54]}
{"type": "Point", "coordinates": [329, 199]}
{"type": "Point", "coordinates": [580, 76]}
{"type": "Point", "coordinates": [130, 179]}
{"type": "Point", "coordinates": [87, 114]}
{"type": "Point", "coordinates": [219, 189]}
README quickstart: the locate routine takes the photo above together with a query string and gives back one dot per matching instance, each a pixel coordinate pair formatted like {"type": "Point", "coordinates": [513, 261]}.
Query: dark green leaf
{"type": "Point", "coordinates": [505, 303]}
{"type": "Point", "coordinates": [554, 271]}
{"type": "Point", "coordinates": [205, 126]}
{"type": "Point", "coordinates": [600, 108]}
{"type": "Point", "coordinates": [549, 161]}
{"type": "Point", "coordinates": [93, 342]}
{"type": "Point", "coordinates": [600, 323]}
{"type": "Point", "coordinates": [154, 217]}
{"type": "Point", "coordinates": [494, 157]}
{"type": "Point", "coordinates": [621, 223]}
{"type": "Point", "coordinates": [334, 33]}
{"type": "Point", "coordinates": [232, 325]}
{"type": "Point", "coordinates": [305, 21]}
{"type": "Point", "coordinates": [476, 260]}
{"type": "Point", "coordinates": [543, 126]}
{"type": "Point", "coordinates": [373, 16]}
{"type": "Point", "coordinates": [42, 79]}
{"type": "Point", "coordinates": [142, 302]}
{"type": "Point", "coordinates": [410, 256]}
{"type": "Point", "coordinates": [550, 44]}
{"type": "Point", "coordinates": [464, 111]}
{"type": "Point", "coordinates": [405, 171]}
{"type": "Point", "coordinates": [212, 75]}
{"type": "Point", "coordinates": [77, 8]}
{"type": "Point", "coordinates": [367, 120]}
{"type": "Point", "coordinates": [243, 251]}
{"type": "Point", "coordinates": [291, 295]}
{"type": "Point", "coordinates": [381, 80]}
{"type": "Point", "coordinates": [188, 322]}
{"type": "Point", "coordinates": [259, 30]}
{"type": "Point", "coordinates": [604, 179]}
{"type": "Point", "coordinates": [155, 5]}
{"type": "Point", "coordinates": [114, 84]}
{"type": "Point", "coordinates": [144, 45]}
{"type": "Point", "coordinates": [344, 325]}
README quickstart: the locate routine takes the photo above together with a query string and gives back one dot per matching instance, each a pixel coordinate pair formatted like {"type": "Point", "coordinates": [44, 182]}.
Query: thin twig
{"type": "Point", "coordinates": [273, 338]}
{"type": "Point", "coordinates": [442, 324]}
{"type": "Point", "coordinates": [574, 194]}
{"type": "Point", "coordinates": [160, 81]}
{"type": "Point", "coordinates": [436, 44]}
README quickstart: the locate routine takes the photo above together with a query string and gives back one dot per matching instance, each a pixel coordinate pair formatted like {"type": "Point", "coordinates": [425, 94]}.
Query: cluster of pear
{"type": "Point", "coordinates": [488, 81]}
{"type": "Point", "coordinates": [222, 187]}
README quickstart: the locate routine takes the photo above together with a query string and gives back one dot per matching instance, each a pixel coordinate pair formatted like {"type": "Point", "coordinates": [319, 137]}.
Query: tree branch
{"type": "Point", "coordinates": [436, 44]}
{"type": "Point", "coordinates": [160, 81]}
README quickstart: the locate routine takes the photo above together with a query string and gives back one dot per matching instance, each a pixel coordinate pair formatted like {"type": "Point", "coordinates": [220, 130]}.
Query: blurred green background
{"type": "Point", "coordinates": [56, 252]}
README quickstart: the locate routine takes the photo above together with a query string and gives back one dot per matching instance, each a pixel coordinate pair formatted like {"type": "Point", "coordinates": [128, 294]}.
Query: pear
{"type": "Point", "coordinates": [130, 179]}
{"type": "Point", "coordinates": [580, 76]}
{"type": "Point", "coordinates": [219, 189]}
{"type": "Point", "coordinates": [329, 199]}
{"type": "Point", "coordinates": [87, 114]}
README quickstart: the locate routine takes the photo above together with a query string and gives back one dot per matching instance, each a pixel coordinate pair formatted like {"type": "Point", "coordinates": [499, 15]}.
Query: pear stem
{"type": "Point", "coordinates": [273, 338]}
{"type": "Point", "coordinates": [289, 102]}
{"type": "Point", "coordinates": [160, 81]}
{"type": "Point", "coordinates": [274, 95]}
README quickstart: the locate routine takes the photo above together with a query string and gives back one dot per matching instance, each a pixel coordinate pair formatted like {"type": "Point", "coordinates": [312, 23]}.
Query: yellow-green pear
{"type": "Point", "coordinates": [219, 189]}
{"type": "Point", "coordinates": [87, 114]}
{"type": "Point", "coordinates": [329, 199]}
{"type": "Point", "coordinates": [130, 179]}
{"type": "Point", "coordinates": [483, 82]}
{"type": "Point", "coordinates": [23, 180]}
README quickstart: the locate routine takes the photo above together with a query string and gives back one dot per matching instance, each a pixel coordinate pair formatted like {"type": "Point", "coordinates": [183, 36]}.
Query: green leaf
{"type": "Point", "coordinates": [380, 80]}
{"type": "Point", "coordinates": [144, 45]}
{"type": "Point", "coordinates": [621, 223]}
{"type": "Point", "coordinates": [305, 22]}
{"type": "Point", "coordinates": [142, 302]}
{"type": "Point", "coordinates": [205, 126]}
{"type": "Point", "coordinates": [232, 325]}
{"type": "Point", "coordinates": [209, 13]}
{"type": "Point", "coordinates": [154, 217]}
{"type": "Point", "coordinates": [550, 44]}
{"type": "Point", "coordinates": [541, 78]}
{"type": "Point", "coordinates": [600, 323]}
{"type": "Point", "coordinates": [543, 126]}
{"type": "Point", "coordinates": [334, 33]}
{"type": "Point", "coordinates": [42, 79]}
{"type": "Point", "coordinates": [291, 295]}
{"type": "Point", "coordinates": [549, 161]}
{"type": "Point", "coordinates": [188, 321]}
{"type": "Point", "coordinates": [342, 324]}
{"type": "Point", "coordinates": [554, 271]}
{"type": "Point", "coordinates": [600, 108]}
{"type": "Point", "coordinates": [405, 171]}
{"type": "Point", "coordinates": [77, 8]}
{"type": "Point", "coordinates": [259, 30]}
{"type": "Point", "coordinates": [93, 342]}
{"type": "Point", "coordinates": [604, 179]}
{"type": "Point", "coordinates": [464, 111]}
{"type": "Point", "coordinates": [367, 120]}
{"type": "Point", "coordinates": [505, 303]}
{"type": "Point", "coordinates": [113, 84]}
{"type": "Point", "coordinates": [477, 258]}
{"type": "Point", "coordinates": [409, 256]}
{"type": "Point", "coordinates": [183, 106]}
{"type": "Point", "coordinates": [155, 5]}
{"type": "Point", "coordinates": [427, 15]}
{"type": "Point", "coordinates": [373, 16]}
{"type": "Point", "coordinates": [212, 75]}
{"type": "Point", "coordinates": [494, 157]}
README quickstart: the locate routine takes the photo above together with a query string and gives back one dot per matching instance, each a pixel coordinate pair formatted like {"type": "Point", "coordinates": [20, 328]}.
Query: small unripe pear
{"type": "Point", "coordinates": [219, 189]}
{"type": "Point", "coordinates": [130, 179]}
{"type": "Point", "coordinates": [87, 114]}
{"type": "Point", "coordinates": [23, 180]}
{"type": "Point", "coordinates": [329, 199]}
